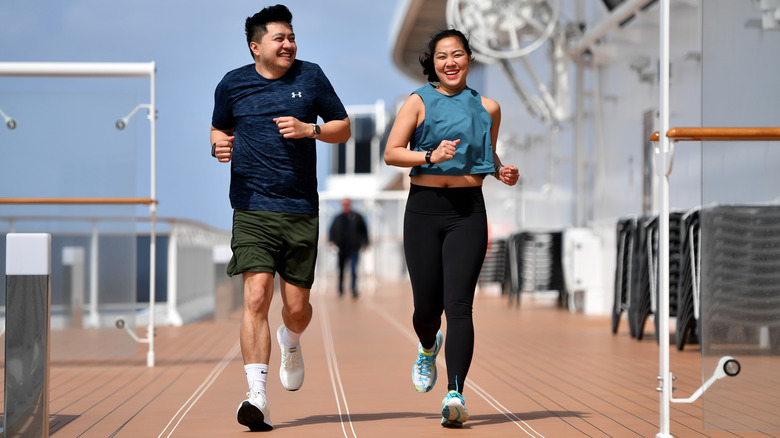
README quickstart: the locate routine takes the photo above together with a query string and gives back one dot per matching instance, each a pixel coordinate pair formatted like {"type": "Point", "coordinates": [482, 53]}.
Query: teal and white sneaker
{"type": "Point", "coordinates": [453, 410]}
{"type": "Point", "coordinates": [424, 369]}
{"type": "Point", "coordinates": [291, 370]}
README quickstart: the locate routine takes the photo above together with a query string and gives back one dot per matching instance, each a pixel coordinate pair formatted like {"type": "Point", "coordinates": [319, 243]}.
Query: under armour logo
{"type": "Point", "coordinates": [298, 94]}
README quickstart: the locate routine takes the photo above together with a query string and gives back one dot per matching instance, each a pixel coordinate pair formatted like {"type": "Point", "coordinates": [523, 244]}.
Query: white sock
{"type": "Point", "coordinates": [290, 338]}
{"type": "Point", "coordinates": [256, 377]}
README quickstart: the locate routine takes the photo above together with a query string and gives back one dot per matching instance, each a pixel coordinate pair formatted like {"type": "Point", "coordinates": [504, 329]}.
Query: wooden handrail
{"type": "Point", "coordinates": [720, 134]}
{"type": "Point", "coordinates": [147, 201]}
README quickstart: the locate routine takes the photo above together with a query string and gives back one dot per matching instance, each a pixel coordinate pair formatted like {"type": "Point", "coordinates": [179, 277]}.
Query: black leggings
{"type": "Point", "coordinates": [445, 240]}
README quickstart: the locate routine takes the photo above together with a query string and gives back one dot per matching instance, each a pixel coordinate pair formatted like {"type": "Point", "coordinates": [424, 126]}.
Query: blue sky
{"type": "Point", "coordinates": [193, 44]}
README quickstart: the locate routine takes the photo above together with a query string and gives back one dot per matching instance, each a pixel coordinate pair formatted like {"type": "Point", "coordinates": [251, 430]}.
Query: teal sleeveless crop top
{"type": "Point", "coordinates": [460, 116]}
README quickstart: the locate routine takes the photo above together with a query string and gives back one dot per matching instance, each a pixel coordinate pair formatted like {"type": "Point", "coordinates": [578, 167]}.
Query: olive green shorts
{"type": "Point", "coordinates": [268, 241]}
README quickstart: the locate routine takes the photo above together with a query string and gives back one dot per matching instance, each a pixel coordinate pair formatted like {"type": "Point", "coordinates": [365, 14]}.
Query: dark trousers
{"type": "Point", "coordinates": [445, 240]}
{"type": "Point", "coordinates": [352, 257]}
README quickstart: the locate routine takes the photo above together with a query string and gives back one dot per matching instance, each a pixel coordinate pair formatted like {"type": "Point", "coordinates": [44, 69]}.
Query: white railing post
{"type": "Point", "coordinates": [662, 170]}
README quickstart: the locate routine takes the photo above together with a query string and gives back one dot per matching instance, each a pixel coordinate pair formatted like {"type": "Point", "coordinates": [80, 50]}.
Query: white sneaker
{"type": "Point", "coordinates": [291, 369]}
{"type": "Point", "coordinates": [254, 414]}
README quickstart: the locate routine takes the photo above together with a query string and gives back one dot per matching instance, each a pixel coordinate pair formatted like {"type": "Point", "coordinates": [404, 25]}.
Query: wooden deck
{"type": "Point", "coordinates": [538, 371]}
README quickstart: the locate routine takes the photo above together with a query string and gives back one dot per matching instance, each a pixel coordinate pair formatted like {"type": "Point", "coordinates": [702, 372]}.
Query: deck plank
{"type": "Point", "coordinates": [538, 371]}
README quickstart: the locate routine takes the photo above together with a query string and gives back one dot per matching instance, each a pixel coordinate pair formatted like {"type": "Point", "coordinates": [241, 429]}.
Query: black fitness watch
{"type": "Point", "coordinates": [428, 157]}
{"type": "Point", "coordinates": [214, 149]}
{"type": "Point", "coordinates": [497, 172]}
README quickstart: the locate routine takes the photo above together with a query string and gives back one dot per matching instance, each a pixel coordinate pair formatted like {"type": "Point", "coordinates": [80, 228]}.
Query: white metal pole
{"type": "Point", "coordinates": [579, 142]}
{"type": "Point", "coordinates": [94, 316]}
{"type": "Point", "coordinates": [152, 217]}
{"type": "Point", "coordinates": [172, 311]}
{"type": "Point", "coordinates": [663, 220]}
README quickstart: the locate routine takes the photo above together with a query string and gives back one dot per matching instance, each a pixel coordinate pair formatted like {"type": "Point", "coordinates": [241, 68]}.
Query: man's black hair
{"type": "Point", "coordinates": [255, 26]}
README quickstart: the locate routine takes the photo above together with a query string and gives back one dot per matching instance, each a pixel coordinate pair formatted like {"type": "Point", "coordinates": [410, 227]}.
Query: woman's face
{"type": "Point", "coordinates": [451, 63]}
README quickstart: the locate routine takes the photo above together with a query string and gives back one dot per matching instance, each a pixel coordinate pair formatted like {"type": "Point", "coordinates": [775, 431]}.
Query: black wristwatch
{"type": "Point", "coordinates": [428, 157]}
{"type": "Point", "coordinates": [214, 149]}
{"type": "Point", "coordinates": [317, 130]}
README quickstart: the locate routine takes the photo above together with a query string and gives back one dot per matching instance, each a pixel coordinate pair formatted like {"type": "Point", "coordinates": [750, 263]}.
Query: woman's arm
{"type": "Point", "coordinates": [409, 116]}
{"type": "Point", "coordinates": [505, 173]}
{"type": "Point", "coordinates": [397, 153]}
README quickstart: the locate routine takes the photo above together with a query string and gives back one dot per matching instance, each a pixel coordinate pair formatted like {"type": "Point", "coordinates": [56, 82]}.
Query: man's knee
{"type": "Point", "coordinates": [256, 303]}
{"type": "Point", "coordinates": [296, 302]}
{"type": "Point", "coordinates": [257, 295]}
{"type": "Point", "coordinates": [300, 312]}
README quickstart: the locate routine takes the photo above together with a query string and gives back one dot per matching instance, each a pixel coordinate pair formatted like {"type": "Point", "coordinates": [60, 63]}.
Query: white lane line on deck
{"type": "Point", "coordinates": [503, 410]}
{"type": "Point", "coordinates": [204, 386]}
{"type": "Point", "coordinates": [333, 369]}
{"type": "Point", "coordinates": [477, 389]}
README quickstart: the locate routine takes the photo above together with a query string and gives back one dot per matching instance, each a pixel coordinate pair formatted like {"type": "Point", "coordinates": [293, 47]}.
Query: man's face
{"type": "Point", "coordinates": [276, 50]}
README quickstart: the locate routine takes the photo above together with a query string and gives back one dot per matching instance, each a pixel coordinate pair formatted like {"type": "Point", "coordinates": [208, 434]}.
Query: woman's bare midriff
{"type": "Point", "coordinates": [447, 180]}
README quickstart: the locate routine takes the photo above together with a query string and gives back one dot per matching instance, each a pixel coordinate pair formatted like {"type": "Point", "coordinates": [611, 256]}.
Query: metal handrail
{"type": "Point", "coordinates": [721, 134]}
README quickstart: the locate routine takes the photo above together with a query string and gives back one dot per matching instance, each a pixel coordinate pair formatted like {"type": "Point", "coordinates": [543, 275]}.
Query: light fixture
{"type": "Point", "coordinates": [9, 122]}
{"type": "Point", "coordinates": [122, 123]}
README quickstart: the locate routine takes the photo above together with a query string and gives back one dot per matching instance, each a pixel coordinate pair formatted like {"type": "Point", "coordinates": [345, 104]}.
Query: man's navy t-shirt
{"type": "Point", "coordinates": [268, 171]}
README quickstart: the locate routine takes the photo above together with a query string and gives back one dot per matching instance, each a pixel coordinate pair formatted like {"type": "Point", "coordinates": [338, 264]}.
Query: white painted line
{"type": "Point", "coordinates": [204, 386]}
{"type": "Point", "coordinates": [477, 389]}
{"type": "Point", "coordinates": [503, 410]}
{"type": "Point", "coordinates": [333, 369]}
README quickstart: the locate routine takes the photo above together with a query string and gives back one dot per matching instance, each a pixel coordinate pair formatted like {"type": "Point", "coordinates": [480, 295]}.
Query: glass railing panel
{"type": "Point", "coordinates": [64, 155]}
{"type": "Point", "coordinates": [740, 218]}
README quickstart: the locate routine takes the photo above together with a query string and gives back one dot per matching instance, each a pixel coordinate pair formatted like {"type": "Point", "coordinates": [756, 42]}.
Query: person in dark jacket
{"type": "Point", "coordinates": [350, 235]}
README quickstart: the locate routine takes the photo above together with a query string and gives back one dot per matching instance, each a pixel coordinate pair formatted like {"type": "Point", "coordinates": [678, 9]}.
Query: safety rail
{"type": "Point", "coordinates": [727, 366]}
{"type": "Point", "coordinates": [111, 69]}
{"type": "Point", "coordinates": [192, 258]}
{"type": "Point", "coordinates": [149, 339]}
{"type": "Point", "coordinates": [720, 134]}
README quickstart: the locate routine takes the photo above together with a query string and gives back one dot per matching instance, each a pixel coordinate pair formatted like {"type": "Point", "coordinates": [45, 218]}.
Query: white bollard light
{"type": "Point", "coordinates": [27, 330]}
